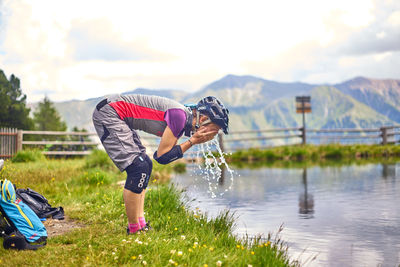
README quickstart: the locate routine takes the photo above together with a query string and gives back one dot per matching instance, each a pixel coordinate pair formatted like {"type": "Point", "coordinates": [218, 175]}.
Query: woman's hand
{"type": "Point", "coordinates": [205, 133]}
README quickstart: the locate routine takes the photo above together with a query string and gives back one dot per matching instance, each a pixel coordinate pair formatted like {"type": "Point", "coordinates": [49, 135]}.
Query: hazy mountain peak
{"type": "Point", "coordinates": [232, 81]}
{"type": "Point", "coordinates": [256, 103]}
{"type": "Point", "coordinates": [363, 83]}
{"type": "Point", "coordinates": [359, 79]}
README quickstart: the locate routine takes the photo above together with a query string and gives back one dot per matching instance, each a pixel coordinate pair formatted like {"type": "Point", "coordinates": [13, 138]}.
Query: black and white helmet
{"type": "Point", "coordinates": [215, 110]}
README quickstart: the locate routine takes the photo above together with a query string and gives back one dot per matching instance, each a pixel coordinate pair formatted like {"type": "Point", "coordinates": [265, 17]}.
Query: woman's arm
{"type": "Point", "coordinates": [168, 151]}
{"type": "Point", "coordinates": [168, 141]}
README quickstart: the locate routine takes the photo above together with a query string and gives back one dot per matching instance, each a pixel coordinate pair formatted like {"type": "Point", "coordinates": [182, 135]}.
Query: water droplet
{"type": "Point", "coordinates": [211, 172]}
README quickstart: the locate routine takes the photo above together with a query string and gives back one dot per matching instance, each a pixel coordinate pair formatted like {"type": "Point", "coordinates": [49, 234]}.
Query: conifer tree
{"type": "Point", "coordinates": [13, 110]}
{"type": "Point", "coordinates": [47, 118]}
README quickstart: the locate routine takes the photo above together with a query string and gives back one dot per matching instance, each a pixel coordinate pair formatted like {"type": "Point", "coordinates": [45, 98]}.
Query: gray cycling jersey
{"type": "Point", "coordinates": [147, 113]}
{"type": "Point", "coordinates": [117, 117]}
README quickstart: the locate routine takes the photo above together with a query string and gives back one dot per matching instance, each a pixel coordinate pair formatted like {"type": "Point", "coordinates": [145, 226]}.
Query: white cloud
{"type": "Point", "coordinates": [394, 19]}
{"type": "Point", "coordinates": [81, 49]}
{"type": "Point", "coordinates": [97, 39]}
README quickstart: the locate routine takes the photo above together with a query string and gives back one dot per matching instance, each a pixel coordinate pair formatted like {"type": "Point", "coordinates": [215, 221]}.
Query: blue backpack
{"type": "Point", "coordinates": [27, 231]}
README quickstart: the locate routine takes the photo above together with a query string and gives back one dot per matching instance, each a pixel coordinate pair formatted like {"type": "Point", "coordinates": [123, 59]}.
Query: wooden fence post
{"type": "Point", "coordinates": [303, 134]}
{"type": "Point", "coordinates": [384, 135]}
{"type": "Point", "coordinates": [19, 140]}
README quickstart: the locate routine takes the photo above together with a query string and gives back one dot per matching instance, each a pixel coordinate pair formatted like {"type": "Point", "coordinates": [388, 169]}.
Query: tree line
{"type": "Point", "coordinates": [14, 112]}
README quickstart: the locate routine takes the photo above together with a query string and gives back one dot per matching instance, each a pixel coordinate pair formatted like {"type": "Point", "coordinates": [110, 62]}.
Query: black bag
{"type": "Point", "coordinates": [16, 240]}
{"type": "Point", "coordinates": [21, 228]}
{"type": "Point", "coordinates": [39, 204]}
{"type": "Point", "coordinates": [5, 226]}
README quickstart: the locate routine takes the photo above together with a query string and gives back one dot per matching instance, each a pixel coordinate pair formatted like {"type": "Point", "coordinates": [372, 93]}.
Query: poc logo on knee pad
{"type": "Point", "coordinates": [140, 185]}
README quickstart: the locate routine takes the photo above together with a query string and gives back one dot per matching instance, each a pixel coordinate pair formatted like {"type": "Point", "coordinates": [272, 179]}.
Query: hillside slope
{"type": "Point", "coordinates": [255, 103]}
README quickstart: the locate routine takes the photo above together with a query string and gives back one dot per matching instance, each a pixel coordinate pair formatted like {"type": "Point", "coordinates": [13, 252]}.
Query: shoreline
{"type": "Point", "coordinates": [91, 197]}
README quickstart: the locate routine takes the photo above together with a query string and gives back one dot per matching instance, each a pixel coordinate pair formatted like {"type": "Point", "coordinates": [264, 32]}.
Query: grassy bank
{"type": "Point", "coordinates": [90, 195]}
{"type": "Point", "coordinates": [316, 153]}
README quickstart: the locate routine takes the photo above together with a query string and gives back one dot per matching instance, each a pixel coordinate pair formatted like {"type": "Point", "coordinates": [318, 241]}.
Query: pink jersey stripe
{"type": "Point", "coordinates": [130, 110]}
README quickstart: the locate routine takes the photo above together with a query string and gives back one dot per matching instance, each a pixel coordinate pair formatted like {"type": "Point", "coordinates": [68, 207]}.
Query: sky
{"type": "Point", "coordinates": [81, 49]}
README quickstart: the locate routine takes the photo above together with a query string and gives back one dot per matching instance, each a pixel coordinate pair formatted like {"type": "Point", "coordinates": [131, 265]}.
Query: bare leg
{"type": "Point", "coordinates": [132, 206]}
{"type": "Point", "coordinates": [141, 207]}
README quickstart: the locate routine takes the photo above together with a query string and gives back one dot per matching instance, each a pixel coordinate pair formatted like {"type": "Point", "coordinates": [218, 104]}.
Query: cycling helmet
{"type": "Point", "coordinates": [215, 110]}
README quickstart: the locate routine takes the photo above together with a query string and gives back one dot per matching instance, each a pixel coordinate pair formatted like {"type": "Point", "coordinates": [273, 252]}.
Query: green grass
{"type": "Point", "coordinates": [99, 158]}
{"type": "Point", "coordinates": [28, 156]}
{"type": "Point", "coordinates": [91, 196]}
{"type": "Point", "coordinates": [316, 153]}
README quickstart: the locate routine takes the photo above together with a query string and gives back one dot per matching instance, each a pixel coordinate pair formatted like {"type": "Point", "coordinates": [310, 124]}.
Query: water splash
{"type": "Point", "coordinates": [213, 170]}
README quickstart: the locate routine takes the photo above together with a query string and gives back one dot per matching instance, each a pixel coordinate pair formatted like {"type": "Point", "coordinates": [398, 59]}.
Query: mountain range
{"type": "Point", "coordinates": [256, 103]}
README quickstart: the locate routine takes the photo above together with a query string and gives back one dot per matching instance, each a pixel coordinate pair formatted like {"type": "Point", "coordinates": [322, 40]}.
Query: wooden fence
{"type": "Point", "coordinates": [59, 144]}
{"type": "Point", "coordinates": [290, 136]}
{"type": "Point", "coordinates": [12, 140]}
{"type": "Point", "coordinates": [8, 142]}
{"type": "Point", "coordinates": [259, 138]}
{"type": "Point", "coordinates": [87, 145]}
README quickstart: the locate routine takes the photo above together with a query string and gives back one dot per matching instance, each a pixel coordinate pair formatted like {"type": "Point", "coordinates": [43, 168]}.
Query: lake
{"type": "Point", "coordinates": [331, 216]}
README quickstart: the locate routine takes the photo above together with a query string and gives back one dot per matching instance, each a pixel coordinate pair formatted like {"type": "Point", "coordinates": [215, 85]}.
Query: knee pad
{"type": "Point", "coordinates": [149, 161]}
{"type": "Point", "coordinates": [138, 174]}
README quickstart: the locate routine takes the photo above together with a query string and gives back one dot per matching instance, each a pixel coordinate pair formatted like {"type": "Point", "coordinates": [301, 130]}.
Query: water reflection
{"type": "Point", "coordinates": [388, 171]}
{"type": "Point", "coordinates": [306, 200]}
{"type": "Point", "coordinates": [346, 215]}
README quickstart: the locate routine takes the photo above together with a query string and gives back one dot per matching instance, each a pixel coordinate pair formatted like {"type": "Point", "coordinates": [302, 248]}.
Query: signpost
{"type": "Point", "coordinates": [303, 105]}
